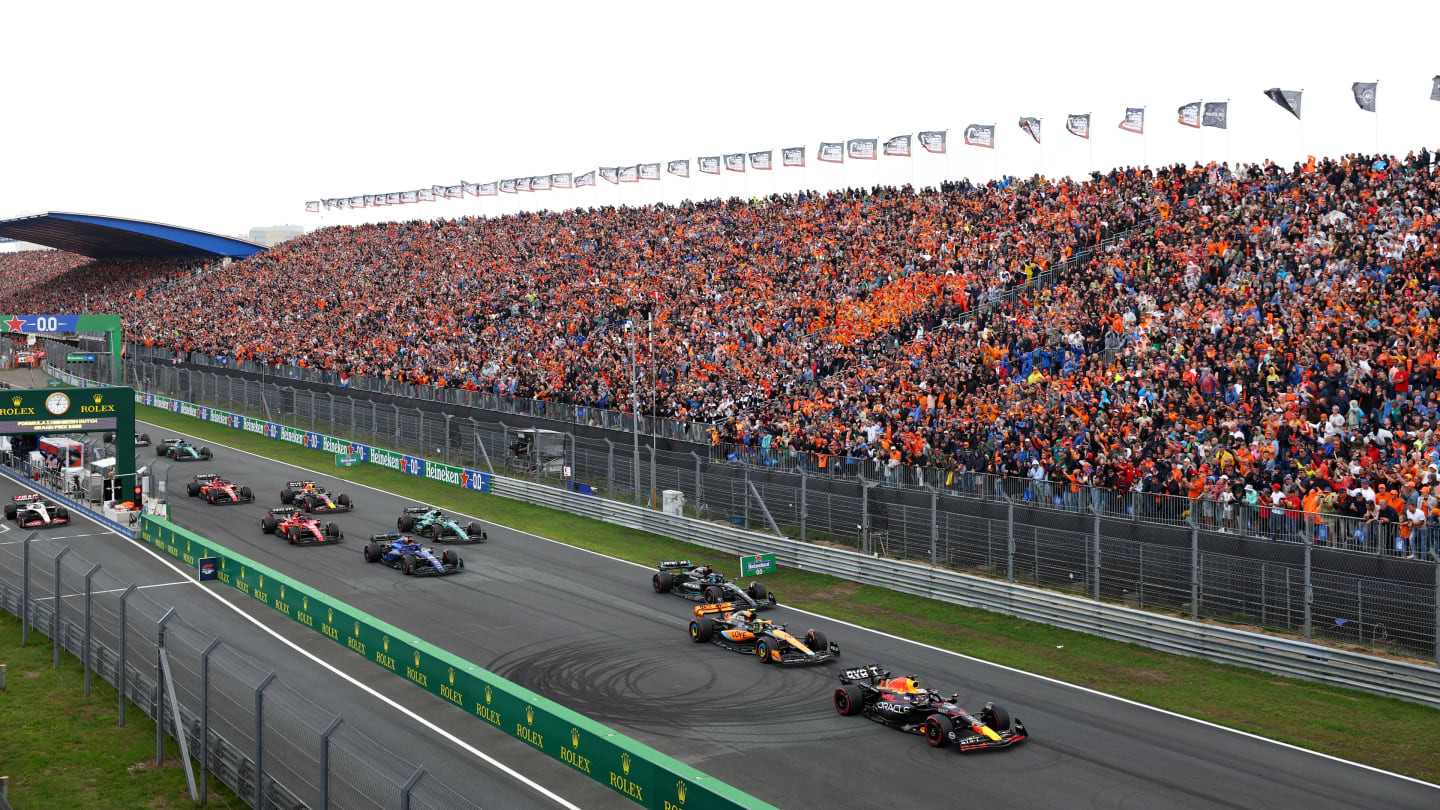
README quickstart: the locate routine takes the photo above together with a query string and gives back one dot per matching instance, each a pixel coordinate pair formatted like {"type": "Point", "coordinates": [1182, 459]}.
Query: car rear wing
{"type": "Point", "coordinates": [284, 510]}
{"type": "Point", "coordinates": [718, 607]}
{"type": "Point", "coordinates": [299, 484]}
{"type": "Point", "coordinates": [871, 673]}
{"type": "Point", "coordinates": [415, 510]}
{"type": "Point", "coordinates": [171, 440]}
{"type": "Point", "coordinates": [26, 497]}
{"type": "Point", "coordinates": [387, 536]}
{"type": "Point", "coordinates": [208, 477]}
{"type": "Point", "coordinates": [672, 564]}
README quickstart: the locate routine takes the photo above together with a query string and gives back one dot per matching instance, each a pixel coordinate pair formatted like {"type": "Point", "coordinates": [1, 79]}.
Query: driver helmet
{"type": "Point", "coordinates": [747, 615]}
{"type": "Point", "coordinates": [906, 685]}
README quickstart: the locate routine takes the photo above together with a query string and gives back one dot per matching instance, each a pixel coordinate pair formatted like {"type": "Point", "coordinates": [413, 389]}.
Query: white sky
{"type": "Point", "coordinates": [228, 116]}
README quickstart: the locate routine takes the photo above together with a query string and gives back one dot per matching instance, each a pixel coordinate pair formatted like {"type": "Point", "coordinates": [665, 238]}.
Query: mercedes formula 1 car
{"type": "Point", "coordinates": [311, 497]}
{"type": "Point", "coordinates": [402, 552]}
{"type": "Point", "coordinates": [704, 584]}
{"type": "Point", "coordinates": [901, 703]}
{"type": "Point", "coordinates": [31, 511]}
{"type": "Point", "coordinates": [433, 523]}
{"type": "Point", "coordinates": [181, 450]}
{"type": "Point", "coordinates": [299, 529]}
{"type": "Point", "coordinates": [740, 631]}
{"type": "Point", "coordinates": [217, 490]}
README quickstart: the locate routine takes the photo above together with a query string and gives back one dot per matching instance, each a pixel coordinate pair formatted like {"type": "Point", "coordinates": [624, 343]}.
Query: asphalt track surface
{"type": "Point", "coordinates": [587, 631]}
{"type": "Point", "coordinates": [471, 775]}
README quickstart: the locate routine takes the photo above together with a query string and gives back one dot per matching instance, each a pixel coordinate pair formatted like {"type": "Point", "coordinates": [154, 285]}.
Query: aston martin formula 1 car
{"type": "Point", "coordinates": [181, 450]}
{"type": "Point", "coordinates": [725, 625]}
{"type": "Point", "coordinates": [704, 584]}
{"type": "Point", "coordinates": [404, 553]}
{"type": "Point", "coordinates": [299, 529]}
{"type": "Point", "coordinates": [311, 497]}
{"type": "Point", "coordinates": [434, 524]}
{"type": "Point", "coordinates": [217, 490]}
{"type": "Point", "coordinates": [901, 703]}
{"type": "Point", "coordinates": [32, 511]}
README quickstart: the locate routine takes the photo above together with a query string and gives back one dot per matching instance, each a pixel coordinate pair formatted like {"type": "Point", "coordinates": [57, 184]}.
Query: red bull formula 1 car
{"type": "Point", "coordinates": [701, 583]}
{"type": "Point", "coordinates": [32, 511]}
{"type": "Point", "coordinates": [217, 490]}
{"type": "Point", "coordinates": [299, 529]}
{"type": "Point", "coordinates": [902, 704]}
{"type": "Point", "coordinates": [741, 631]}
{"type": "Point", "coordinates": [313, 498]}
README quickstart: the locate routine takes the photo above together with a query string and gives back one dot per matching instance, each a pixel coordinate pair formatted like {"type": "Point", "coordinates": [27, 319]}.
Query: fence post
{"type": "Point", "coordinates": [1195, 569]}
{"type": "Point", "coordinates": [1309, 593]}
{"type": "Point", "coordinates": [610, 470]}
{"type": "Point", "coordinates": [374, 423]}
{"type": "Point", "coordinates": [409, 786]}
{"type": "Point", "coordinates": [55, 615]}
{"type": "Point", "coordinates": [448, 418]}
{"type": "Point", "coordinates": [700, 496]}
{"type": "Point", "coordinates": [120, 681]}
{"type": "Point", "coordinates": [396, 445]}
{"type": "Point", "coordinates": [864, 516]}
{"type": "Point", "coordinates": [205, 720]}
{"type": "Point", "coordinates": [25, 589]}
{"type": "Point", "coordinates": [85, 659]}
{"type": "Point", "coordinates": [159, 716]}
{"type": "Point", "coordinates": [325, 761]}
{"type": "Point", "coordinates": [934, 522]}
{"type": "Point", "coordinates": [1097, 551]}
{"type": "Point", "coordinates": [259, 726]}
{"type": "Point", "coordinates": [747, 497]}
{"type": "Point", "coordinates": [804, 495]}
{"type": "Point", "coordinates": [1010, 541]}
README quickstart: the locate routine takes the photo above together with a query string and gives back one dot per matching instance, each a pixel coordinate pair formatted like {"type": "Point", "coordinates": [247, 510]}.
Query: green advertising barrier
{"type": "Point", "coordinates": [648, 777]}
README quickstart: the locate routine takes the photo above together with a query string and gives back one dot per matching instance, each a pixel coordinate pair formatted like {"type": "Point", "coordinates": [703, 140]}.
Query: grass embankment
{"type": "Point", "coordinates": [1377, 731]}
{"type": "Point", "coordinates": [63, 750]}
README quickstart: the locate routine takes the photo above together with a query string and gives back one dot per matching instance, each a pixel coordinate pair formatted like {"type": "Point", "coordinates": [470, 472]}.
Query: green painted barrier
{"type": "Point", "coordinates": [648, 777]}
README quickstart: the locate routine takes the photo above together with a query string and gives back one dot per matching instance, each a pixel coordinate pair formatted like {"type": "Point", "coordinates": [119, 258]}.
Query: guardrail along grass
{"type": "Point", "coordinates": [1382, 732]}
{"type": "Point", "coordinates": [63, 750]}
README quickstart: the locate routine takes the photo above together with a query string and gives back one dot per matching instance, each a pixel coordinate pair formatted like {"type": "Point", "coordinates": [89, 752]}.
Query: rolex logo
{"type": "Point", "coordinates": [625, 763]}
{"type": "Point", "coordinates": [304, 603]}
{"type": "Point", "coordinates": [574, 738]}
{"type": "Point", "coordinates": [262, 580]}
{"type": "Point", "coordinates": [282, 591]}
{"type": "Point", "coordinates": [452, 676]}
{"type": "Point", "coordinates": [384, 640]}
{"type": "Point", "coordinates": [529, 714]}
{"type": "Point", "coordinates": [417, 659]}
{"type": "Point", "coordinates": [98, 398]}
{"type": "Point", "coordinates": [15, 401]}
{"type": "Point", "coordinates": [487, 694]}
{"type": "Point", "coordinates": [680, 790]}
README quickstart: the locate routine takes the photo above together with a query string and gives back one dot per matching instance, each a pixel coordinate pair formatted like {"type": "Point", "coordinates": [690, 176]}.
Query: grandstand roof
{"type": "Point", "coordinates": [115, 238]}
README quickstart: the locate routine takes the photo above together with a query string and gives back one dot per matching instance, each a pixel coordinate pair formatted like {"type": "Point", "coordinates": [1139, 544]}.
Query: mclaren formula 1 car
{"type": "Point", "coordinates": [217, 490]}
{"type": "Point", "coordinates": [311, 497]}
{"type": "Point", "coordinates": [404, 553]}
{"type": "Point", "coordinates": [901, 703]}
{"type": "Point", "coordinates": [704, 584]}
{"type": "Point", "coordinates": [32, 511]}
{"type": "Point", "coordinates": [725, 625]}
{"type": "Point", "coordinates": [434, 524]}
{"type": "Point", "coordinates": [181, 450]}
{"type": "Point", "coordinates": [298, 528]}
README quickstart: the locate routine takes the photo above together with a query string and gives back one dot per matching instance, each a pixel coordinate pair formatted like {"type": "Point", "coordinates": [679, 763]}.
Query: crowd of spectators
{"type": "Point", "coordinates": [1260, 340]}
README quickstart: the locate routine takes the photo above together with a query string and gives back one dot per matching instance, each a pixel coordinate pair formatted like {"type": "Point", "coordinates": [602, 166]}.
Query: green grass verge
{"type": "Point", "coordinates": [63, 750]}
{"type": "Point", "coordinates": [1382, 732]}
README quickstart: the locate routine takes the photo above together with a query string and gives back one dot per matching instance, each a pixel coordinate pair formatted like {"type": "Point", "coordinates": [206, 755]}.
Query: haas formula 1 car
{"type": "Point", "coordinates": [30, 511]}
{"type": "Point", "coordinates": [901, 703]}
{"type": "Point", "coordinates": [705, 584]}
{"type": "Point", "coordinates": [217, 490]}
{"type": "Point", "coordinates": [312, 498]}
{"type": "Point", "coordinates": [404, 553]}
{"type": "Point", "coordinates": [434, 524]}
{"type": "Point", "coordinates": [181, 450]}
{"type": "Point", "coordinates": [740, 631]}
{"type": "Point", "coordinates": [299, 529]}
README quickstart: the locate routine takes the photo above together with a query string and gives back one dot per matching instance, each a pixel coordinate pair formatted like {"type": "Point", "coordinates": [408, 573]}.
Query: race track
{"type": "Point", "coordinates": [587, 631]}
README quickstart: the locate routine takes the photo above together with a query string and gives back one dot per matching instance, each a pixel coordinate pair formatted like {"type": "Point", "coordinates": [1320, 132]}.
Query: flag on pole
{"type": "Point", "coordinates": [735, 162]}
{"type": "Point", "coordinates": [562, 180]}
{"type": "Point", "coordinates": [630, 174]}
{"type": "Point", "coordinates": [1030, 125]}
{"type": "Point", "coordinates": [486, 189]}
{"type": "Point", "coordinates": [760, 161]}
{"type": "Point", "coordinates": [453, 192]}
{"type": "Point", "coordinates": [586, 179]}
{"type": "Point", "coordinates": [312, 207]}
{"type": "Point", "coordinates": [709, 164]}
{"type": "Point", "coordinates": [795, 155]}
{"type": "Point", "coordinates": [438, 191]}
{"type": "Point", "coordinates": [1190, 114]}
{"type": "Point", "coordinates": [680, 168]}
{"type": "Point", "coordinates": [523, 184]}
{"type": "Point", "coordinates": [649, 171]}
{"type": "Point", "coordinates": [831, 153]}
{"type": "Point", "coordinates": [898, 146]}
{"type": "Point", "coordinates": [393, 198]}
{"type": "Point", "coordinates": [861, 148]}
{"type": "Point", "coordinates": [507, 187]}
{"type": "Point", "coordinates": [1435, 89]}
{"type": "Point", "coordinates": [982, 135]}
{"type": "Point", "coordinates": [425, 194]}
{"type": "Point", "coordinates": [1217, 114]}
{"type": "Point", "coordinates": [934, 142]}
{"type": "Point", "coordinates": [1134, 120]}
{"type": "Point", "coordinates": [357, 202]}
{"type": "Point", "coordinates": [1078, 125]}
{"type": "Point", "coordinates": [409, 196]}
{"type": "Point", "coordinates": [1289, 99]}
{"type": "Point", "coordinates": [470, 188]}
{"type": "Point", "coordinates": [1365, 95]}
{"type": "Point", "coordinates": [610, 174]}
{"type": "Point", "coordinates": [368, 200]}
{"type": "Point", "coordinates": [541, 183]}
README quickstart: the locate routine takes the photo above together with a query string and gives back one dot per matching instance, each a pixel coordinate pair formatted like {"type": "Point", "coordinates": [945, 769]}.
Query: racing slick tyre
{"type": "Point", "coordinates": [449, 558]}
{"type": "Point", "coordinates": [144, 437]}
{"type": "Point", "coordinates": [476, 532]}
{"type": "Point", "coordinates": [816, 641]}
{"type": "Point", "coordinates": [192, 489]}
{"type": "Point", "coordinates": [757, 591]}
{"type": "Point", "coordinates": [331, 530]}
{"type": "Point", "coordinates": [714, 594]}
{"type": "Point", "coordinates": [160, 450]}
{"type": "Point", "coordinates": [404, 523]}
{"type": "Point", "coordinates": [9, 511]}
{"type": "Point", "coordinates": [849, 700]}
{"type": "Point", "coordinates": [434, 531]}
{"type": "Point", "coordinates": [268, 524]}
{"type": "Point", "coordinates": [206, 454]}
{"type": "Point", "coordinates": [343, 500]}
{"type": "Point", "coordinates": [306, 505]}
{"type": "Point", "coordinates": [61, 513]}
{"type": "Point", "coordinates": [661, 582]}
{"type": "Point", "coordinates": [247, 494]}
{"type": "Point", "coordinates": [210, 496]}
{"type": "Point", "coordinates": [287, 496]}
{"type": "Point", "coordinates": [937, 730]}
{"type": "Point", "coordinates": [410, 562]}
{"type": "Point", "coordinates": [701, 630]}
{"type": "Point", "coordinates": [762, 651]}
{"type": "Point", "coordinates": [372, 554]}
{"type": "Point", "coordinates": [290, 537]}
{"type": "Point", "coordinates": [995, 717]}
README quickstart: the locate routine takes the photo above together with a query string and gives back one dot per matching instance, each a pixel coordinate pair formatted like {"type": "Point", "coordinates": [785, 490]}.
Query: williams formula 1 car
{"type": "Point", "coordinates": [312, 498]}
{"type": "Point", "coordinates": [901, 703]}
{"type": "Point", "coordinates": [217, 490]}
{"type": "Point", "coordinates": [433, 523]}
{"type": "Point", "coordinates": [31, 511]}
{"type": "Point", "coordinates": [704, 584]}
{"type": "Point", "coordinates": [299, 529]}
{"type": "Point", "coordinates": [404, 553]}
{"type": "Point", "coordinates": [181, 450]}
{"type": "Point", "coordinates": [740, 631]}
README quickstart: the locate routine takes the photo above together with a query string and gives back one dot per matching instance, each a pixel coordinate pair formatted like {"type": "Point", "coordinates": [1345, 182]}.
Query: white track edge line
{"type": "Point", "coordinates": [882, 633]}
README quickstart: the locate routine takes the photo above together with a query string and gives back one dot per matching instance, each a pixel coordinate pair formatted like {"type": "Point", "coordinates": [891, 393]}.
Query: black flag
{"type": "Point", "coordinates": [1365, 95]}
{"type": "Point", "coordinates": [1289, 99]}
{"type": "Point", "coordinates": [1217, 114]}
{"type": "Point", "coordinates": [1435, 89]}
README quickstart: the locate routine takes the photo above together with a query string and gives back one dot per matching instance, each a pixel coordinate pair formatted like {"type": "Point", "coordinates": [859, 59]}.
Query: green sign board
{"type": "Point", "coordinates": [54, 384]}
{"type": "Point", "coordinates": [346, 460]}
{"type": "Point", "coordinates": [80, 357]}
{"type": "Point", "coordinates": [757, 565]}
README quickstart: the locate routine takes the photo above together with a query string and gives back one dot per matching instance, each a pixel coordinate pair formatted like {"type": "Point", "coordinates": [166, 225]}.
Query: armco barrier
{"type": "Point", "coordinates": [648, 777]}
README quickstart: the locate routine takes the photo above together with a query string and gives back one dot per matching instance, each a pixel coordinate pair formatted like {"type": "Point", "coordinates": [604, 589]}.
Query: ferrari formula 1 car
{"type": "Point", "coordinates": [901, 703]}
{"type": "Point", "coordinates": [434, 524]}
{"type": "Point", "coordinates": [704, 584]}
{"type": "Point", "coordinates": [217, 490]}
{"type": "Point", "coordinates": [403, 552]}
{"type": "Point", "coordinates": [32, 511]}
{"type": "Point", "coordinates": [299, 529]}
{"type": "Point", "coordinates": [181, 450]}
{"type": "Point", "coordinates": [310, 497]}
{"type": "Point", "coordinates": [740, 631]}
